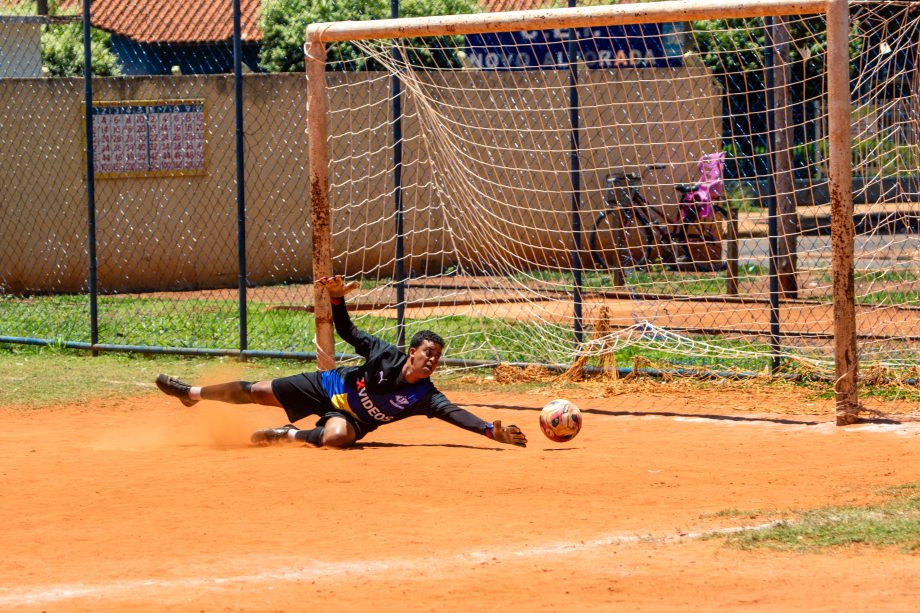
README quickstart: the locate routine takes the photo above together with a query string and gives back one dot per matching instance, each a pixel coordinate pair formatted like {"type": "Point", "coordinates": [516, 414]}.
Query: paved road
{"type": "Point", "coordinates": [871, 251]}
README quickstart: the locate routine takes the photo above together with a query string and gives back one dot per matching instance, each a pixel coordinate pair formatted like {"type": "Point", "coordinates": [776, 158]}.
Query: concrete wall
{"type": "Point", "coordinates": [487, 156]}
{"type": "Point", "coordinates": [463, 204]}
{"type": "Point", "coordinates": [20, 46]}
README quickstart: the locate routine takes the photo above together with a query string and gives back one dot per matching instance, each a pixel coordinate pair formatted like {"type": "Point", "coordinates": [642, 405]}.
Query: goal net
{"type": "Point", "coordinates": [646, 191]}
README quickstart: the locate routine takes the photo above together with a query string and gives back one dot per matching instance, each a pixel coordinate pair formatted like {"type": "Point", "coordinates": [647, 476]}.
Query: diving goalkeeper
{"type": "Point", "coordinates": [351, 401]}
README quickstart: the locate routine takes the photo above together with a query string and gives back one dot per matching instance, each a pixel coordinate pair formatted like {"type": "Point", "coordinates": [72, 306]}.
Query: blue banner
{"type": "Point", "coordinates": [653, 45]}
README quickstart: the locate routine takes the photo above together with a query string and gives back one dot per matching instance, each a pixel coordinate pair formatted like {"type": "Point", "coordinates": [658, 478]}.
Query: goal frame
{"type": "Point", "coordinates": [840, 169]}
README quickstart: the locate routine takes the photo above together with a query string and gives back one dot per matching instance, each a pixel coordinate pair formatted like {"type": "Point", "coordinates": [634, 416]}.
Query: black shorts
{"type": "Point", "coordinates": [303, 395]}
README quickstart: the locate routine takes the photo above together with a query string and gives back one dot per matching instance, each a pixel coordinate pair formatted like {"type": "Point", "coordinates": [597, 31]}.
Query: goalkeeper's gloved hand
{"type": "Point", "coordinates": [336, 285]}
{"type": "Point", "coordinates": [509, 435]}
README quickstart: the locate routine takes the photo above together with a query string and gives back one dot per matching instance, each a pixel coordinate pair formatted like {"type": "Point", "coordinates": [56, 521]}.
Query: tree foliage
{"type": "Point", "coordinates": [62, 51]}
{"type": "Point", "coordinates": [734, 52]}
{"type": "Point", "coordinates": [285, 21]}
{"type": "Point", "coordinates": [62, 44]}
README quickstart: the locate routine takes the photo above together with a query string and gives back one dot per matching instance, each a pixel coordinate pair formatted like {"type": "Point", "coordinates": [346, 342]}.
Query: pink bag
{"type": "Point", "coordinates": [702, 228]}
{"type": "Point", "coordinates": [698, 201]}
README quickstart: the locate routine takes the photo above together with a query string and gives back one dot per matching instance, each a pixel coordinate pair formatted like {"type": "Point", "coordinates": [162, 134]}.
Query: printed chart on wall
{"type": "Point", "coordinates": [149, 138]}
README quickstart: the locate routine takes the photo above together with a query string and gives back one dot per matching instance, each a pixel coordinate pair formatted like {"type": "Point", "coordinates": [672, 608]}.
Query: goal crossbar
{"type": "Point", "coordinates": [545, 19]}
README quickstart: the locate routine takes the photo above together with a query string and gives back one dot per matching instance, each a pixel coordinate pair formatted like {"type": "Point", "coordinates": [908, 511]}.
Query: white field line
{"type": "Point", "coordinates": [138, 589]}
{"type": "Point", "coordinates": [903, 428]}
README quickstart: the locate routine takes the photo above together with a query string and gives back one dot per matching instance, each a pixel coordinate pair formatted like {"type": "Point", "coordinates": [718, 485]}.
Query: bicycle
{"type": "Point", "coordinates": [631, 233]}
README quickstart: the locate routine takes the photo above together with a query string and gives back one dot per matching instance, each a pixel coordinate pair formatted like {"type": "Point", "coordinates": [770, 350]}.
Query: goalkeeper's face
{"type": "Point", "coordinates": [422, 361]}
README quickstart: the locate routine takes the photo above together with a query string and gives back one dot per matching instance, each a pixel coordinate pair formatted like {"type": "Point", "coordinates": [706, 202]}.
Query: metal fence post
{"type": "Point", "coordinates": [90, 176]}
{"type": "Point", "coordinates": [240, 174]}
{"type": "Point", "coordinates": [396, 97]}
{"type": "Point", "coordinates": [772, 202]}
{"type": "Point", "coordinates": [575, 172]}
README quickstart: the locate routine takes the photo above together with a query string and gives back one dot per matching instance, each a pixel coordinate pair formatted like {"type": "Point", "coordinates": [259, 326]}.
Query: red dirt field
{"type": "Point", "coordinates": [143, 505]}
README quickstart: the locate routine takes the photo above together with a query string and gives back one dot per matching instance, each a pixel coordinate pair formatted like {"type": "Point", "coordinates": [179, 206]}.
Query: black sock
{"type": "Point", "coordinates": [314, 436]}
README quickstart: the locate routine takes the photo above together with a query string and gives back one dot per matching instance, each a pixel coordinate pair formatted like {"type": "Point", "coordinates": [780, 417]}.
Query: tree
{"type": "Point", "coordinates": [62, 51]}
{"type": "Point", "coordinates": [284, 23]}
{"type": "Point", "coordinates": [733, 50]}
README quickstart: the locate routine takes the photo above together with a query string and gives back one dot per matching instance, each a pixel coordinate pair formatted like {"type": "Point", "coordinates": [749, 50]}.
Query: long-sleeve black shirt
{"type": "Point", "coordinates": [375, 392]}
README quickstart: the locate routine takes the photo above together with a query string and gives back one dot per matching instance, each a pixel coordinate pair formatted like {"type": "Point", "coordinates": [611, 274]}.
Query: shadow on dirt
{"type": "Point", "coordinates": [358, 446]}
{"type": "Point", "coordinates": [736, 418]}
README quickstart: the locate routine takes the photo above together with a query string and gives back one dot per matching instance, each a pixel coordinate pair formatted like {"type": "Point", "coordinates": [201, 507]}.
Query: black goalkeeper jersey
{"type": "Point", "coordinates": [374, 393]}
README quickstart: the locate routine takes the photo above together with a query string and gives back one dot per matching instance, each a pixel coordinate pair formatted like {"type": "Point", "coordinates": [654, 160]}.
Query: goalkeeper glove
{"type": "Point", "coordinates": [336, 286]}
{"type": "Point", "coordinates": [509, 435]}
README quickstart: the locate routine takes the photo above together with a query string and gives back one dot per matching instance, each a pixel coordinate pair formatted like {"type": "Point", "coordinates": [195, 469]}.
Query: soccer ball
{"type": "Point", "coordinates": [560, 420]}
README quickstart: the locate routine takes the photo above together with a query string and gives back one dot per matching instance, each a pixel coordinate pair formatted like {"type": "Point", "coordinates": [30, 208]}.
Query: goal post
{"type": "Point", "coordinates": [839, 176]}
{"type": "Point", "coordinates": [319, 198]}
{"type": "Point", "coordinates": [842, 231]}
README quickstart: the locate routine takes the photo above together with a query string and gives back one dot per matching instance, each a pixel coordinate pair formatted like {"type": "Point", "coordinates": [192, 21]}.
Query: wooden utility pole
{"type": "Point", "coordinates": [788, 218]}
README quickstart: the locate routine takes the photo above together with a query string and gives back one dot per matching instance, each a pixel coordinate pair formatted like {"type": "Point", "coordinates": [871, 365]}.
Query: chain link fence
{"type": "Point", "coordinates": [190, 232]}
{"type": "Point", "coordinates": [194, 221]}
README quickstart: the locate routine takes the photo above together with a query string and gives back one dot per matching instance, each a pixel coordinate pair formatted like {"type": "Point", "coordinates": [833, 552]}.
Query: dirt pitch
{"type": "Point", "coordinates": [143, 505]}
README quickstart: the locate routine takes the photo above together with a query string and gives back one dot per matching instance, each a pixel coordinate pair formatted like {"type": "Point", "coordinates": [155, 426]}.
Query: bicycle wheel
{"type": "Point", "coordinates": [660, 244]}
{"type": "Point", "coordinates": [618, 241]}
{"type": "Point", "coordinates": [702, 243]}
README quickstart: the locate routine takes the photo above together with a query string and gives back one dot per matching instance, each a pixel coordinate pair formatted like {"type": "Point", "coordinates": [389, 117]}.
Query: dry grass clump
{"type": "Point", "coordinates": [507, 374]}
{"type": "Point", "coordinates": [598, 345]}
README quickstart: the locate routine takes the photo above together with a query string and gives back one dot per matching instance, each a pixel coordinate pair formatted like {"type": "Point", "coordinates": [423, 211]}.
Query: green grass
{"type": "Point", "coordinates": [884, 298]}
{"type": "Point", "coordinates": [664, 359]}
{"type": "Point", "coordinates": [41, 376]}
{"type": "Point", "coordinates": [749, 513]}
{"type": "Point", "coordinates": [37, 377]}
{"type": "Point", "coordinates": [45, 376]}
{"type": "Point", "coordinates": [890, 298]}
{"type": "Point", "coordinates": [659, 280]}
{"type": "Point", "coordinates": [873, 276]}
{"type": "Point", "coordinates": [157, 322]}
{"type": "Point", "coordinates": [895, 391]}
{"type": "Point", "coordinates": [887, 393]}
{"type": "Point", "coordinates": [213, 324]}
{"type": "Point", "coordinates": [656, 279]}
{"type": "Point", "coordinates": [864, 280]}
{"type": "Point", "coordinates": [892, 523]}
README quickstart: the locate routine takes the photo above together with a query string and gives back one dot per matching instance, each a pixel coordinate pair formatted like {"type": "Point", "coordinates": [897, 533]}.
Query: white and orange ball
{"type": "Point", "coordinates": [560, 420]}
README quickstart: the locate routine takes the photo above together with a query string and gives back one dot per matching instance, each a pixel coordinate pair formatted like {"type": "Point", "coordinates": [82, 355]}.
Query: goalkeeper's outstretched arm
{"type": "Point", "coordinates": [442, 408]}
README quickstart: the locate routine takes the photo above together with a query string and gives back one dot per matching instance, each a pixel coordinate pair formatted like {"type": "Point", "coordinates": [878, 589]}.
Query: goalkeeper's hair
{"type": "Point", "coordinates": [426, 335]}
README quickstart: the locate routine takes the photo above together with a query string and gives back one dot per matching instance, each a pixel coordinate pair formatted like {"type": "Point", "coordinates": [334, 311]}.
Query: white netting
{"type": "Point", "coordinates": [676, 123]}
